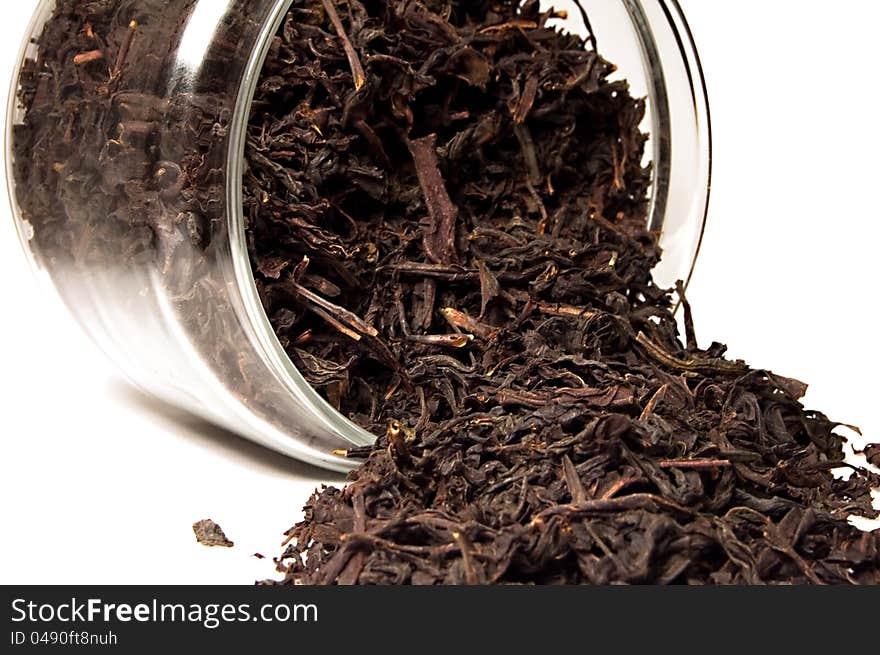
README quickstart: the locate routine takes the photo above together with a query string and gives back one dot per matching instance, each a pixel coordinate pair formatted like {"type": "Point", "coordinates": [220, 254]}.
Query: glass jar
{"type": "Point", "coordinates": [153, 261]}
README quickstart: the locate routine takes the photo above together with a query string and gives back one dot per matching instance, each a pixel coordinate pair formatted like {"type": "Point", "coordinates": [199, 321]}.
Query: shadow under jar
{"type": "Point", "coordinates": [127, 191]}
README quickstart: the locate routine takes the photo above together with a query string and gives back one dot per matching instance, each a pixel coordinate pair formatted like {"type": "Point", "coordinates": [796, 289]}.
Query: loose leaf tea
{"type": "Point", "coordinates": [872, 454]}
{"type": "Point", "coordinates": [427, 184]}
{"type": "Point", "coordinates": [447, 209]}
{"type": "Point", "coordinates": [446, 206]}
{"type": "Point", "coordinates": [209, 533]}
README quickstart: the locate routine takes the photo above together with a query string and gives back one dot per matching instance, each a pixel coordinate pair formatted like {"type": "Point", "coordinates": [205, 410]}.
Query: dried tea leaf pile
{"type": "Point", "coordinates": [446, 205]}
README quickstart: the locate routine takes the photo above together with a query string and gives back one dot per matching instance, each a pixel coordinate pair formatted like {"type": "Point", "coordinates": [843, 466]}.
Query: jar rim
{"type": "Point", "coordinates": [22, 226]}
{"type": "Point", "coordinates": [254, 319]}
{"type": "Point", "coordinates": [682, 126]}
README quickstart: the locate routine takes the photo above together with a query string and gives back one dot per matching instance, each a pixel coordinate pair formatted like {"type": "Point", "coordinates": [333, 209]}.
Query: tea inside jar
{"type": "Point", "coordinates": [429, 191]}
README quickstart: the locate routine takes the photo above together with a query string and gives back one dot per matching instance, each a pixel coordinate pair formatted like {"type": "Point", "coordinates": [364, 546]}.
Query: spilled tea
{"type": "Point", "coordinates": [447, 207]}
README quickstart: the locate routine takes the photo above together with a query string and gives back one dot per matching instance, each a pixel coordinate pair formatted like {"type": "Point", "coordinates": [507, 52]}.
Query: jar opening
{"type": "Point", "coordinates": [663, 50]}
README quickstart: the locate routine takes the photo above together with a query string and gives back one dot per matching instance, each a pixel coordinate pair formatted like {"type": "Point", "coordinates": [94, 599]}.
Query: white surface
{"type": "Point", "coordinates": [99, 485]}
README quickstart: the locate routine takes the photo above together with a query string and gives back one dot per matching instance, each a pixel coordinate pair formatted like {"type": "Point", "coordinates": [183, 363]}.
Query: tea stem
{"type": "Point", "coordinates": [439, 237]}
{"type": "Point", "coordinates": [88, 57]}
{"type": "Point", "coordinates": [696, 464]}
{"type": "Point", "coordinates": [124, 49]}
{"type": "Point", "coordinates": [357, 70]}
{"type": "Point", "coordinates": [342, 315]}
{"type": "Point", "coordinates": [695, 365]}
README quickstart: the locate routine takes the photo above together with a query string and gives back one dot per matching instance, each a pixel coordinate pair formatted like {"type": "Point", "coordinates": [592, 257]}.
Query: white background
{"type": "Point", "coordinates": [100, 485]}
